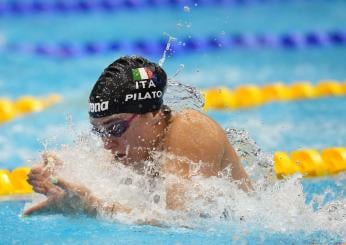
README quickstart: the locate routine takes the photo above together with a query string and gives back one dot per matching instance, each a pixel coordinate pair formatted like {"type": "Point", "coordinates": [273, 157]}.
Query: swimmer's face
{"type": "Point", "coordinates": [130, 137]}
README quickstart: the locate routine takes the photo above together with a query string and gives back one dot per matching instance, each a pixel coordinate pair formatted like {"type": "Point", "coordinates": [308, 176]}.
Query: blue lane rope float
{"type": "Point", "coordinates": [86, 6]}
{"type": "Point", "coordinates": [288, 41]}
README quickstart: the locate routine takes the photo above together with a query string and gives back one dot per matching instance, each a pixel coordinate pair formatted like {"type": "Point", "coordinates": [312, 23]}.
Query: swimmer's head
{"type": "Point", "coordinates": [131, 84]}
{"type": "Point", "coordinates": [126, 108]}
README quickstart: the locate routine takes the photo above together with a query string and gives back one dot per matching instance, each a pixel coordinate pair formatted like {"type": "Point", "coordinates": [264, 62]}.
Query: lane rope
{"type": "Point", "coordinates": [248, 96]}
{"type": "Point", "coordinates": [308, 162]}
{"type": "Point", "coordinates": [14, 182]}
{"type": "Point", "coordinates": [11, 109]}
{"type": "Point", "coordinates": [185, 45]}
{"type": "Point", "coordinates": [16, 8]}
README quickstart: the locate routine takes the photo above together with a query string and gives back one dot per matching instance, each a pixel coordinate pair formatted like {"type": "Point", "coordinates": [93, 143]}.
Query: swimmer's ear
{"type": "Point", "coordinates": [154, 113]}
{"type": "Point", "coordinates": [155, 119]}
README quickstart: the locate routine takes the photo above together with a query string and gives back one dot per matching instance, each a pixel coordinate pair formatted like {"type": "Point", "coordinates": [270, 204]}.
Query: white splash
{"type": "Point", "coordinates": [179, 70]}
{"type": "Point", "coordinates": [275, 206]}
{"type": "Point", "coordinates": [187, 9]}
{"type": "Point", "coordinates": [168, 46]}
{"type": "Point", "coordinates": [180, 96]}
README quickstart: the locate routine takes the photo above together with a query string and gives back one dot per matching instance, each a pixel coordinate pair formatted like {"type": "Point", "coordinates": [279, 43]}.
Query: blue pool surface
{"type": "Point", "coordinates": [68, 230]}
{"type": "Point", "coordinates": [275, 127]}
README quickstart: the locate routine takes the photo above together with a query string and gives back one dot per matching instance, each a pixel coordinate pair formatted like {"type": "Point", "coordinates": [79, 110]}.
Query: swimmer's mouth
{"type": "Point", "coordinates": [120, 156]}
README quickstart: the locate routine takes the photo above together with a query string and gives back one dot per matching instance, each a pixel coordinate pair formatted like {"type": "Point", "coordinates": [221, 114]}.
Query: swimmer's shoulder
{"type": "Point", "coordinates": [193, 127]}
{"type": "Point", "coordinates": [196, 136]}
{"type": "Point", "coordinates": [194, 121]}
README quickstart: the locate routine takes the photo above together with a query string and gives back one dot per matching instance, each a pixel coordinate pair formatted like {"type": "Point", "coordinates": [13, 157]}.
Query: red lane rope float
{"type": "Point", "coordinates": [247, 96]}
{"type": "Point", "coordinates": [9, 109]}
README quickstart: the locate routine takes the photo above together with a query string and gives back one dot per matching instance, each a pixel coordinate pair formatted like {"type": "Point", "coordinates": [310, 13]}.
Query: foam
{"type": "Point", "coordinates": [273, 206]}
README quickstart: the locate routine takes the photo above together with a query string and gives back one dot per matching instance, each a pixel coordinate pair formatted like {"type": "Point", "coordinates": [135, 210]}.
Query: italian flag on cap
{"type": "Point", "coordinates": [141, 74]}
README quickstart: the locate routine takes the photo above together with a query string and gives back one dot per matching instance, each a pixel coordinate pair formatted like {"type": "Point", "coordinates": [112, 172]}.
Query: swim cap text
{"type": "Point", "coordinates": [97, 107]}
{"type": "Point", "coordinates": [144, 84]}
{"type": "Point", "coordinates": [144, 96]}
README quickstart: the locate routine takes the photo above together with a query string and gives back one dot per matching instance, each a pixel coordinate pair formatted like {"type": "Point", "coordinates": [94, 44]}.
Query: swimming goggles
{"type": "Point", "coordinates": [116, 129]}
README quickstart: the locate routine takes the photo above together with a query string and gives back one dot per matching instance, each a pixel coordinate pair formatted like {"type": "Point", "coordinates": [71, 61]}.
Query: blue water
{"type": "Point", "coordinates": [68, 230]}
{"type": "Point", "coordinates": [280, 126]}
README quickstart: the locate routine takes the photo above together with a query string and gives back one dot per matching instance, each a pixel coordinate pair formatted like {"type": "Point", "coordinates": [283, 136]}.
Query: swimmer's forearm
{"type": "Point", "coordinates": [92, 204]}
{"type": "Point", "coordinates": [114, 207]}
{"type": "Point", "coordinates": [175, 196]}
{"type": "Point", "coordinates": [86, 201]}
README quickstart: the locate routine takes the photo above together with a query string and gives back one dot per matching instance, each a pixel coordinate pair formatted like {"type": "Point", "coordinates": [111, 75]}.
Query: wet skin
{"type": "Point", "coordinates": [190, 135]}
{"type": "Point", "coordinates": [143, 135]}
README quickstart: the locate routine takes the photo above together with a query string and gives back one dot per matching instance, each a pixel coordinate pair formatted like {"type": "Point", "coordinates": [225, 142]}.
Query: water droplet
{"type": "Point", "coordinates": [179, 70]}
{"type": "Point", "coordinates": [156, 198]}
{"type": "Point", "coordinates": [186, 9]}
{"type": "Point", "coordinates": [168, 46]}
{"type": "Point", "coordinates": [128, 181]}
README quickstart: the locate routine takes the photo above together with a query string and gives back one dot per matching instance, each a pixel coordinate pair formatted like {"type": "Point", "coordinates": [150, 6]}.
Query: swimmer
{"type": "Point", "coordinates": [126, 110]}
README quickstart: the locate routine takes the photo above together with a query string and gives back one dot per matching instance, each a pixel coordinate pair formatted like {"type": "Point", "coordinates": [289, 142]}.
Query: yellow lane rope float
{"type": "Point", "coordinates": [247, 96]}
{"type": "Point", "coordinates": [14, 183]}
{"type": "Point", "coordinates": [308, 162]}
{"type": "Point", "coordinates": [9, 109]}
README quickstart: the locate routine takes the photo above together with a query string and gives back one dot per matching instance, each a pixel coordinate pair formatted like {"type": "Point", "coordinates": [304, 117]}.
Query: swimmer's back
{"type": "Point", "coordinates": [197, 137]}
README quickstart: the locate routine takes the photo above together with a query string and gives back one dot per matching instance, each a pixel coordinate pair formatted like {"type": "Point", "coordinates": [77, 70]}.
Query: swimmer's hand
{"type": "Point", "coordinates": [41, 183]}
{"type": "Point", "coordinates": [40, 176]}
{"type": "Point", "coordinates": [50, 163]}
{"type": "Point", "coordinates": [61, 195]}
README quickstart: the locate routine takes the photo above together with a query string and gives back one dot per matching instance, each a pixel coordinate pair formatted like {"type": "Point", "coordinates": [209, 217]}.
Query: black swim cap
{"type": "Point", "coordinates": [130, 84]}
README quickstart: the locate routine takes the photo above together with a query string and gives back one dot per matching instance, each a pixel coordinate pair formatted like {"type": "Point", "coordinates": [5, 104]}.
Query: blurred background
{"type": "Point", "coordinates": [62, 46]}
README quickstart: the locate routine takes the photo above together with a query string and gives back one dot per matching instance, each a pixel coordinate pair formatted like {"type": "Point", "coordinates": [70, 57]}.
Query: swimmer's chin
{"type": "Point", "coordinates": [123, 158]}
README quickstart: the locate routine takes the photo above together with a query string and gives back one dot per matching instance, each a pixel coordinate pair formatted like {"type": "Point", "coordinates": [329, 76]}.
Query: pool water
{"type": "Point", "coordinates": [275, 127]}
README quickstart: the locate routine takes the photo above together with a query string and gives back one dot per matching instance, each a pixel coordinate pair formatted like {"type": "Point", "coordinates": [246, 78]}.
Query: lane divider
{"type": "Point", "coordinates": [14, 183]}
{"type": "Point", "coordinates": [308, 162]}
{"type": "Point", "coordinates": [86, 6]}
{"type": "Point", "coordinates": [184, 45]}
{"type": "Point", "coordinates": [10, 109]}
{"type": "Point", "coordinates": [247, 96]}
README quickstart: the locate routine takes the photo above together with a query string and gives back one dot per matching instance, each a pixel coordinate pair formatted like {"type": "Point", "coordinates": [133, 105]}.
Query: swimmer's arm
{"type": "Point", "coordinates": [92, 204]}
{"type": "Point", "coordinates": [238, 172]}
{"type": "Point", "coordinates": [178, 170]}
{"type": "Point", "coordinates": [68, 198]}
